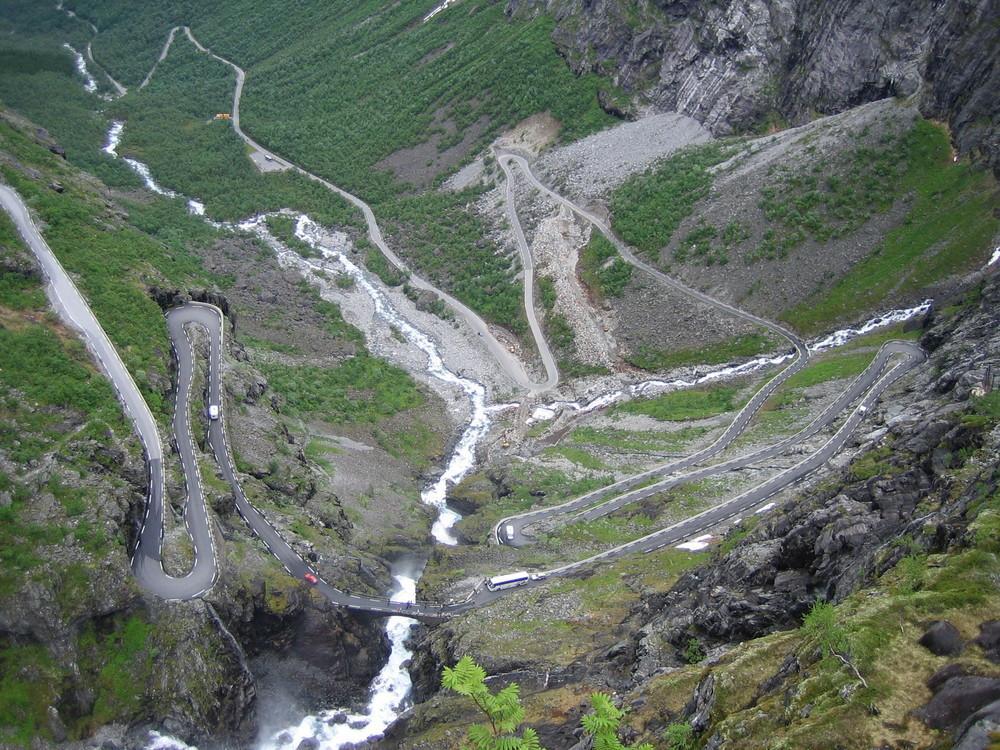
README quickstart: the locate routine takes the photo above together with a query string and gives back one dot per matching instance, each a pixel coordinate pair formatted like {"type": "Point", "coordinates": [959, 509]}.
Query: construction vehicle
{"type": "Point", "coordinates": [223, 116]}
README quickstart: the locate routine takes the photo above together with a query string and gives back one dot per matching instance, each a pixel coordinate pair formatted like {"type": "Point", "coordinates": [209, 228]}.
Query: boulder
{"type": "Point", "coordinates": [989, 640]}
{"type": "Point", "coordinates": [979, 730]}
{"type": "Point", "coordinates": [942, 639]}
{"type": "Point", "coordinates": [958, 699]}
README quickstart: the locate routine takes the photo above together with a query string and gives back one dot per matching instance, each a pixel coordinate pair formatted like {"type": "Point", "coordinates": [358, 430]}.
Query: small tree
{"type": "Point", "coordinates": [821, 626]}
{"type": "Point", "coordinates": [694, 652]}
{"type": "Point", "coordinates": [503, 710]}
{"type": "Point", "coordinates": [603, 724]}
{"type": "Point", "coordinates": [679, 736]}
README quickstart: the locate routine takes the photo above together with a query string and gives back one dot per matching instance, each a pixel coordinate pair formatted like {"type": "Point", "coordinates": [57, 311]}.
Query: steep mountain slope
{"type": "Point", "coordinates": [740, 65]}
{"type": "Point", "coordinates": [80, 643]}
{"type": "Point", "coordinates": [901, 535]}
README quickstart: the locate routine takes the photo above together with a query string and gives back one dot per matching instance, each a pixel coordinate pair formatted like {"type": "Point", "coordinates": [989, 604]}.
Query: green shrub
{"type": "Point", "coordinates": [680, 406]}
{"type": "Point", "coordinates": [647, 208]}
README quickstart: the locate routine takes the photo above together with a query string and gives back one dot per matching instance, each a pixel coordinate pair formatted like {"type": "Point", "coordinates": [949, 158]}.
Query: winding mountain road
{"type": "Point", "coordinates": [73, 310]}
{"type": "Point", "coordinates": [506, 158]}
{"type": "Point", "coordinates": [893, 361]}
{"type": "Point", "coordinates": [509, 363]}
{"type": "Point", "coordinates": [147, 565]}
{"type": "Point", "coordinates": [528, 266]}
{"type": "Point", "coordinates": [587, 507]}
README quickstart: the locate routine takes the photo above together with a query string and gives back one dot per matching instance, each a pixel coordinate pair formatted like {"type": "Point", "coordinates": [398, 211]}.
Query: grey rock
{"type": "Point", "coordinates": [310, 743]}
{"type": "Point", "coordinates": [733, 65]}
{"type": "Point", "coordinates": [942, 639]}
{"type": "Point", "coordinates": [958, 699]}
{"type": "Point", "coordinates": [979, 730]}
{"type": "Point", "coordinates": [56, 726]}
{"type": "Point", "coordinates": [989, 640]}
{"type": "Point", "coordinates": [939, 678]}
{"type": "Point", "coordinates": [699, 708]}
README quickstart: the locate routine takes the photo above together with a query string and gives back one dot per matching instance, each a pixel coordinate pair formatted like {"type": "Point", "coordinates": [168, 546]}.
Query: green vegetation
{"type": "Point", "coordinates": [604, 272]}
{"type": "Point", "coordinates": [28, 685]}
{"type": "Point", "coordinates": [831, 367]}
{"type": "Point", "coordinates": [694, 652]}
{"type": "Point", "coordinates": [874, 463]}
{"type": "Point", "coordinates": [503, 710]}
{"type": "Point", "coordinates": [417, 444]}
{"type": "Point", "coordinates": [577, 456]}
{"type": "Point", "coordinates": [446, 241]}
{"type": "Point", "coordinates": [685, 405]}
{"type": "Point", "coordinates": [170, 128]}
{"type": "Point", "coordinates": [635, 441]}
{"type": "Point", "coordinates": [948, 229]}
{"type": "Point", "coordinates": [604, 723]}
{"type": "Point", "coordinates": [710, 246]}
{"type": "Point", "coordinates": [744, 346]}
{"type": "Point", "coordinates": [38, 79]}
{"type": "Point", "coordinates": [504, 713]}
{"type": "Point", "coordinates": [52, 400]}
{"type": "Point", "coordinates": [984, 411]}
{"type": "Point", "coordinates": [602, 531]}
{"type": "Point", "coordinates": [123, 662]}
{"type": "Point", "coordinates": [361, 389]}
{"type": "Point", "coordinates": [680, 736]}
{"type": "Point", "coordinates": [339, 86]}
{"type": "Point", "coordinates": [647, 208]}
{"type": "Point", "coordinates": [113, 261]}
{"type": "Point", "coordinates": [529, 486]}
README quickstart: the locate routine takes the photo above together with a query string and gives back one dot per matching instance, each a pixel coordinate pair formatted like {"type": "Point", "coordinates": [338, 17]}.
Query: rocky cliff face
{"type": "Point", "coordinates": [917, 493]}
{"type": "Point", "coordinates": [738, 65]}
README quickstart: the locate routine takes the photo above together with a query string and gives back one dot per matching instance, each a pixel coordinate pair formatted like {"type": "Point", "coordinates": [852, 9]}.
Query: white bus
{"type": "Point", "coordinates": [508, 581]}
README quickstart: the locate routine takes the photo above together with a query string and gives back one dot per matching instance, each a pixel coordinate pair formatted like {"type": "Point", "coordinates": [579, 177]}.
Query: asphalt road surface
{"type": "Point", "coordinates": [509, 363]}
{"type": "Point", "coordinates": [74, 311]}
{"type": "Point", "coordinates": [146, 561]}
{"type": "Point", "coordinates": [528, 266]}
{"type": "Point", "coordinates": [586, 509]}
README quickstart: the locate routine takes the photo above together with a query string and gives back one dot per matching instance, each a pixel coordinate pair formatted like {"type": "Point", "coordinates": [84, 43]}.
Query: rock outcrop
{"type": "Point", "coordinates": [738, 65]}
{"type": "Point", "coordinates": [837, 539]}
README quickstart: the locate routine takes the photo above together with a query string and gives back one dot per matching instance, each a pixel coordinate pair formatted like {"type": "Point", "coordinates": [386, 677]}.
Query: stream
{"type": "Point", "coordinates": [389, 694]}
{"type": "Point", "coordinates": [390, 690]}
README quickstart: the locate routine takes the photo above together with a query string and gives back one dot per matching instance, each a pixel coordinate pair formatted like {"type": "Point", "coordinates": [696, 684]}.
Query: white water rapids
{"type": "Point", "coordinates": [654, 387]}
{"type": "Point", "coordinates": [89, 82]}
{"type": "Point", "coordinates": [391, 688]}
{"type": "Point", "coordinates": [197, 208]}
{"type": "Point", "coordinates": [389, 692]}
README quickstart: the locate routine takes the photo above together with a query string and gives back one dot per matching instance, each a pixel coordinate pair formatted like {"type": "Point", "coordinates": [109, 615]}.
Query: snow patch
{"type": "Point", "coordinates": [698, 543]}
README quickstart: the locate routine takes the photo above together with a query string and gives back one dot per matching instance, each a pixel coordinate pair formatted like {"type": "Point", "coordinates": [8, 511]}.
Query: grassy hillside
{"type": "Point", "coordinates": [114, 262]}
{"type": "Point", "coordinates": [340, 86]}
{"type": "Point", "coordinates": [170, 128]}
{"type": "Point", "coordinates": [849, 218]}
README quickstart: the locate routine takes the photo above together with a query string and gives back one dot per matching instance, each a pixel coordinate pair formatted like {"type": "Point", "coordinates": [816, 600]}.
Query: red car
{"type": "Point", "coordinates": [311, 579]}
